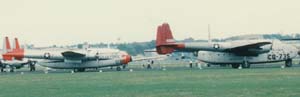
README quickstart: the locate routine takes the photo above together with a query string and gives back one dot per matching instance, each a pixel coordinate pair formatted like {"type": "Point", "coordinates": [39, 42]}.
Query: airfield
{"type": "Point", "coordinates": [175, 80]}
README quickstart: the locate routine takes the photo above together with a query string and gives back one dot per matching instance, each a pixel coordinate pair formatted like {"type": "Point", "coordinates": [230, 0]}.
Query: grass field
{"type": "Point", "coordinates": [257, 82]}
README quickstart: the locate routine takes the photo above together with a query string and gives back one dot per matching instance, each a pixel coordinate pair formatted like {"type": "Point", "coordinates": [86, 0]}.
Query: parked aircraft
{"type": "Point", "coordinates": [77, 59]}
{"type": "Point", "coordinates": [17, 61]}
{"type": "Point", "coordinates": [239, 53]}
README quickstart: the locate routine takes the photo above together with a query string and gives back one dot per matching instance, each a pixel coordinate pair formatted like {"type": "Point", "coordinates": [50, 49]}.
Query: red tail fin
{"type": "Point", "coordinates": [15, 53]}
{"type": "Point", "coordinates": [6, 49]}
{"type": "Point", "coordinates": [6, 45]}
{"type": "Point", "coordinates": [16, 44]}
{"type": "Point", "coordinates": [164, 35]}
{"type": "Point", "coordinates": [165, 42]}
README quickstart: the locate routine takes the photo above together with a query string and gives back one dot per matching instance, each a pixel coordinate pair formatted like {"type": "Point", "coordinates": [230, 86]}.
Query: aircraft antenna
{"type": "Point", "coordinates": [209, 38]}
{"type": "Point", "coordinates": [108, 45]}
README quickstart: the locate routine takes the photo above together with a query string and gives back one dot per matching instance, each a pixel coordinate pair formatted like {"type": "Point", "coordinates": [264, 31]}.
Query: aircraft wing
{"type": "Point", "coordinates": [73, 55]}
{"type": "Point", "coordinates": [249, 49]}
{"type": "Point", "coordinates": [78, 55]}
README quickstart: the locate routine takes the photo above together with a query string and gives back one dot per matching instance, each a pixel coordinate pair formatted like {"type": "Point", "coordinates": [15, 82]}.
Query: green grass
{"type": "Point", "coordinates": [257, 82]}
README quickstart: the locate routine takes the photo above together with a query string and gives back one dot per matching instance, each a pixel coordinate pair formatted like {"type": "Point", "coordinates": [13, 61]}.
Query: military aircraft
{"type": "Point", "coordinates": [239, 53]}
{"type": "Point", "coordinates": [17, 61]}
{"type": "Point", "coordinates": [77, 59]}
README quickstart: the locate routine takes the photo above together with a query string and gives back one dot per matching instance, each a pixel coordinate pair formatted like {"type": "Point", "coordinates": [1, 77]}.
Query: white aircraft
{"type": "Point", "coordinates": [240, 53]}
{"type": "Point", "coordinates": [77, 59]}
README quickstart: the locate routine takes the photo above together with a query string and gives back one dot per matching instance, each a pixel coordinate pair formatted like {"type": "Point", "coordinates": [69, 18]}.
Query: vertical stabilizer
{"type": "Point", "coordinates": [15, 53]}
{"type": "Point", "coordinates": [16, 44]}
{"type": "Point", "coordinates": [6, 45]}
{"type": "Point", "coordinates": [164, 37]}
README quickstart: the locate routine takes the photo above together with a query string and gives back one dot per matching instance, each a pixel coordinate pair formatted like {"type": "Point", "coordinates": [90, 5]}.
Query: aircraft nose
{"type": "Point", "coordinates": [126, 59]}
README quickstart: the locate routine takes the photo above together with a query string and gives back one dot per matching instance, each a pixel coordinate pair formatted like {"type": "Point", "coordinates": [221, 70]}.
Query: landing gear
{"type": "Point", "coordinates": [2, 67]}
{"type": "Point", "coordinates": [12, 69]}
{"type": "Point", "coordinates": [81, 69]}
{"type": "Point", "coordinates": [118, 68]}
{"type": "Point", "coordinates": [288, 63]}
{"type": "Point", "coordinates": [245, 64]}
{"type": "Point", "coordinates": [208, 65]}
{"type": "Point", "coordinates": [32, 66]}
{"type": "Point", "coordinates": [124, 66]}
{"type": "Point", "coordinates": [149, 66]}
{"type": "Point", "coordinates": [235, 66]}
{"type": "Point", "coordinates": [191, 64]}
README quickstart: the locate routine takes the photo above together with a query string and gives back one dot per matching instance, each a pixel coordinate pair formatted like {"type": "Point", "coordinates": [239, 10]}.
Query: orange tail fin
{"type": "Point", "coordinates": [16, 44]}
{"type": "Point", "coordinates": [6, 45]}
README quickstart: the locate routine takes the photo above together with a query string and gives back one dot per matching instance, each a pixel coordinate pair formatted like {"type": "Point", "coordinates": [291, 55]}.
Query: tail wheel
{"type": "Point", "coordinates": [288, 63]}
{"type": "Point", "coordinates": [235, 65]}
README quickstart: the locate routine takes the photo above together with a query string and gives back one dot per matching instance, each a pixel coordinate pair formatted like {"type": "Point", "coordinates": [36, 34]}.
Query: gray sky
{"type": "Point", "coordinates": [48, 22]}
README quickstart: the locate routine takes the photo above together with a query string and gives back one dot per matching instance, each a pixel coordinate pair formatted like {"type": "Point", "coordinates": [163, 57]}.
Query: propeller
{"type": "Point", "coordinates": [271, 47]}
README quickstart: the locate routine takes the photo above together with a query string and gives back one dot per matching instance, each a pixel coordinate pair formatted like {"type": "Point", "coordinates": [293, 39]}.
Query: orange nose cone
{"type": "Point", "coordinates": [126, 59]}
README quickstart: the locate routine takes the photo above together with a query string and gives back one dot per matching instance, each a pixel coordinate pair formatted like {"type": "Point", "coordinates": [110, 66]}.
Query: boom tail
{"type": "Point", "coordinates": [9, 53]}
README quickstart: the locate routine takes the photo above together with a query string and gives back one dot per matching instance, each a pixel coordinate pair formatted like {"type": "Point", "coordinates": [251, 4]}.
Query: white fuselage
{"type": "Point", "coordinates": [280, 52]}
{"type": "Point", "coordinates": [94, 58]}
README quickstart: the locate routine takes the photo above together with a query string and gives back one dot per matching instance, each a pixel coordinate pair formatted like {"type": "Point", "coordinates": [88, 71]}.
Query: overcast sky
{"type": "Point", "coordinates": [61, 22]}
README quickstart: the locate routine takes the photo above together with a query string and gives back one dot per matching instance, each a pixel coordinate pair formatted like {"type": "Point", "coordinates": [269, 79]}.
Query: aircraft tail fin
{"type": "Point", "coordinates": [12, 53]}
{"type": "Point", "coordinates": [165, 42]}
{"type": "Point", "coordinates": [6, 45]}
{"type": "Point", "coordinates": [16, 44]}
{"type": "Point", "coordinates": [164, 35]}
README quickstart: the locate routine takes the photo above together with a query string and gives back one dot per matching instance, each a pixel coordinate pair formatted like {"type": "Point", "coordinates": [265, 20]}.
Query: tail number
{"type": "Point", "coordinates": [278, 56]}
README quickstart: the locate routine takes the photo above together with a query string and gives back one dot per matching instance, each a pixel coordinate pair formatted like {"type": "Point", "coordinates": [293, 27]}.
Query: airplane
{"type": "Point", "coordinates": [17, 61]}
{"type": "Point", "coordinates": [79, 59]}
{"type": "Point", "coordinates": [238, 54]}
